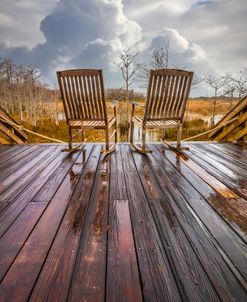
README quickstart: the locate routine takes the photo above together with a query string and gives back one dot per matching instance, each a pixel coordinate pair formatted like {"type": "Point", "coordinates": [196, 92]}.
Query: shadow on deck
{"type": "Point", "coordinates": [126, 227]}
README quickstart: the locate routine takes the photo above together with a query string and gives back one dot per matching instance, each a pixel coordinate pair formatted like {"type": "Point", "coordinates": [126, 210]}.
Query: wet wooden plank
{"type": "Point", "coordinates": [15, 237]}
{"type": "Point", "coordinates": [236, 148]}
{"type": "Point", "coordinates": [233, 246]}
{"type": "Point", "coordinates": [13, 154]}
{"type": "Point", "coordinates": [13, 184]}
{"type": "Point", "coordinates": [235, 159]}
{"type": "Point", "coordinates": [22, 166]}
{"type": "Point", "coordinates": [55, 277]}
{"type": "Point", "coordinates": [180, 249]}
{"type": "Point", "coordinates": [233, 181]}
{"type": "Point", "coordinates": [117, 185]}
{"type": "Point", "coordinates": [227, 203]}
{"type": "Point", "coordinates": [123, 282]}
{"type": "Point", "coordinates": [19, 202]}
{"type": "Point", "coordinates": [20, 278]}
{"type": "Point", "coordinates": [229, 163]}
{"type": "Point", "coordinates": [51, 186]}
{"type": "Point", "coordinates": [216, 260]}
{"type": "Point", "coordinates": [158, 282]}
{"type": "Point", "coordinates": [88, 281]}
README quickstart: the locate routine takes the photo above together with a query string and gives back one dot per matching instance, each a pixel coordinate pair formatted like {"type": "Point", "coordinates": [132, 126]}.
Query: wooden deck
{"type": "Point", "coordinates": [126, 227]}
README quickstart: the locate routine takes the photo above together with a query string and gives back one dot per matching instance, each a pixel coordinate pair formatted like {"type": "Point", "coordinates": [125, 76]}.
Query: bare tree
{"type": "Point", "coordinates": [217, 83]}
{"type": "Point", "coordinates": [160, 56]}
{"type": "Point", "coordinates": [128, 67]}
{"type": "Point", "coordinates": [159, 60]}
{"type": "Point", "coordinates": [240, 83]}
{"type": "Point", "coordinates": [229, 91]}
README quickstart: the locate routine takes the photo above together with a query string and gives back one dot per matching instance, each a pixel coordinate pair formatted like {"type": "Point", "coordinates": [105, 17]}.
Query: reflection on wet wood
{"type": "Point", "coordinates": [123, 275]}
{"type": "Point", "coordinates": [126, 227]}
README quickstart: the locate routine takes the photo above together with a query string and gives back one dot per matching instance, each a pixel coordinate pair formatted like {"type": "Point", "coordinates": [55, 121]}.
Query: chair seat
{"type": "Point", "coordinates": [96, 124]}
{"type": "Point", "coordinates": [156, 124]}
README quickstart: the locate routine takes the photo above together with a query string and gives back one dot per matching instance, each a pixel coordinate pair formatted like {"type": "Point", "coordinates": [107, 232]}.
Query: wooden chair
{"type": "Point", "coordinates": [167, 95]}
{"type": "Point", "coordinates": [82, 93]}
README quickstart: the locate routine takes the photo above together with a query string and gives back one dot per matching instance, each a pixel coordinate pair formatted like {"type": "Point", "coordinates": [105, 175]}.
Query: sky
{"type": "Point", "coordinates": [208, 37]}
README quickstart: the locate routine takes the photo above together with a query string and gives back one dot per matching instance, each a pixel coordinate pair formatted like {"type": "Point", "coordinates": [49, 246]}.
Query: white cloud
{"type": "Point", "coordinates": [207, 36]}
{"type": "Point", "coordinates": [20, 21]}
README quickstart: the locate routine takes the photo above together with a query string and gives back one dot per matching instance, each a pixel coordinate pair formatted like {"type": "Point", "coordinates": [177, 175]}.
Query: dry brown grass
{"type": "Point", "coordinates": [195, 106]}
{"type": "Point", "coordinates": [204, 107]}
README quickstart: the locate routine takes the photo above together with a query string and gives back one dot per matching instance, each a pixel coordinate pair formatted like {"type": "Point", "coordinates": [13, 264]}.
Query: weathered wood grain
{"type": "Point", "coordinates": [234, 181]}
{"type": "Point", "coordinates": [117, 184]}
{"type": "Point", "coordinates": [156, 227]}
{"type": "Point", "coordinates": [13, 184]}
{"type": "Point", "coordinates": [196, 286]}
{"type": "Point", "coordinates": [88, 281]}
{"type": "Point", "coordinates": [123, 282]}
{"type": "Point", "coordinates": [156, 275]}
{"type": "Point", "coordinates": [55, 277]}
{"type": "Point", "coordinates": [232, 160]}
{"type": "Point", "coordinates": [227, 203]}
{"type": "Point", "coordinates": [208, 251]}
{"type": "Point", "coordinates": [29, 261]}
{"type": "Point", "coordinates": [15, 237]}
{"type": "Point", "coordinates": [229, 242]}
{"type": "Point", "coordinates": [21, 199]}
{"type": "Point", "coordinates": [51, 186]}
{"type": "Point", "coordinates": [12, 154]}
{"type": "Point", "coordinates": [231, 163]}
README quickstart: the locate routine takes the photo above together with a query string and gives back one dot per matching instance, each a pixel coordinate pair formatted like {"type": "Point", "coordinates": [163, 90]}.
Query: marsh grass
{"type": "Point", "coordinates": [48, 127]}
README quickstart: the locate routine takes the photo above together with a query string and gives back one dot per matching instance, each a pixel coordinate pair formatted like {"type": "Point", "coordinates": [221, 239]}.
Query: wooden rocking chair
{"type": "Point", "coordinates": [167, 95]}
{"type": "Point", "coordinates": [82, 93]}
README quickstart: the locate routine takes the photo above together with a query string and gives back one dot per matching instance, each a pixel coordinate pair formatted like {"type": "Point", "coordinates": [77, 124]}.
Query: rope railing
{"type": "Point", "coordinates": [21, 127]}
{"type": "Point", "coordinates": [210, 130]}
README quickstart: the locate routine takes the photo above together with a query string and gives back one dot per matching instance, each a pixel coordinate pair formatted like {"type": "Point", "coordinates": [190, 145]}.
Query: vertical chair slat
{"type": "Point", "coordinates": [186, 95]}
{"type": "Point", "coordinates": [91, 100]}
{"type": "Point", "coordinates": [159, 79]}
{"type": "Point", "coordinates": [179, 95]}
{"type": "Point", "coordinates": [87, 97]}
{"type": "Point", "coordinates": [152, 97]}
{"type": "Point", "coordinates": [96, 102]}
{"type": "Point", "coordinates": [169, 97]}
{"type": "Point", "coordinates": [164, 99]}
{"type": "Point", "coordinates": [175, 96]}
{"type": "Point", "coordinates": [79, 97]}
{"type": "Point", "coordinates": [99, 96]}
{"type": "Point", "coordinates": [164, 80]}
{"type": "Point", "coordinates": [182, 97]}
{"type": "Point", "coordinates": [67, 98]}
{"type": "Point", "coordinates": [62, 90]}
{"type": "Point", "coordinates": [73, 108]}
{"type": "Point", "coordinates": [83, 98]}
{"type": "Point", "coordinates": [75, 99]}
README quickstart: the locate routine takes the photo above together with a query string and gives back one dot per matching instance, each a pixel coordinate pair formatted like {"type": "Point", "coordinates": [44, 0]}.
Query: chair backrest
{"type": "Point", "coordinates": [167, 94]}
{"type": "Point", "coordinates": [82, 93]}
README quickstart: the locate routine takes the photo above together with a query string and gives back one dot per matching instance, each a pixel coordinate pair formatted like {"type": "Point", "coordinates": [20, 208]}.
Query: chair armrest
{"type": "Point", "coordinates": [114, 104]}
{"type": "Point", "coordinates": [137, 104]}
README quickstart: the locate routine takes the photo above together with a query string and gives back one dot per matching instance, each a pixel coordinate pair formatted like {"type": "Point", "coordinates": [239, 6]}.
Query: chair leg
{"type": "Point", "coordinates": [116, 133]}
{"type": "Point", "coordinates": [108, 150]}
{"type": "Point", "coordinates": [143, 149]}
{"type": "Point", "coordinates": [178, 147]}
{"type": "Point", "coordinates": [179, 133]}
{"type": "Point", "coordinates": [83, 138]}
{"type": "Point", "coordinates": [131, 132]}
{"type": "Point", "coordinates": [143, 139]}
{"type": "Point", "coordinates": [70, 149]}
{"type": "Point", "coordinates": [70, 138]}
